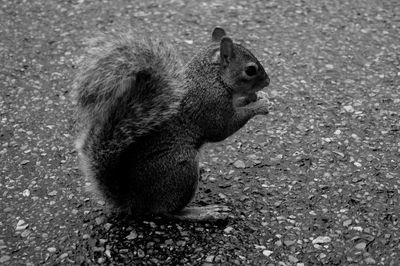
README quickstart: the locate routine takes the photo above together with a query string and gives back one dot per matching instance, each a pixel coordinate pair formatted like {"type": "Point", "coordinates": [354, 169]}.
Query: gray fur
{"type": "Point", "coordinates": [143, 118]}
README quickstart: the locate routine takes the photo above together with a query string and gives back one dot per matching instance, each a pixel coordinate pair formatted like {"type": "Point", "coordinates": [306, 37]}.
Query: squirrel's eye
{"type": "Point", "coordinates": [251, 70]}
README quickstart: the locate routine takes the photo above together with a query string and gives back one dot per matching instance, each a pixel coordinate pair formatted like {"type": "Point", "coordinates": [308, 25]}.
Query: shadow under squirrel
{"type": "Point", "coordinates": [143, 118]}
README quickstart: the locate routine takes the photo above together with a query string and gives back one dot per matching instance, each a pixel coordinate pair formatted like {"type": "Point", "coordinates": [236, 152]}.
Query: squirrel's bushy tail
{"type": "Point", "coordinates": [125, 88]}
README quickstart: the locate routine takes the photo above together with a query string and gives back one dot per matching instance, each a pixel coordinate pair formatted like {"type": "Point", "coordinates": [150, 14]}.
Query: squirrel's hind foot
{"type": "Point", "coordinates": [201, 214]}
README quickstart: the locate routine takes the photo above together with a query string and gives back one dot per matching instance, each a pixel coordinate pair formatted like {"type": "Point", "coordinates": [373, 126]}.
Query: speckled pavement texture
{"type": "Point", "coordinates": [316, 182]}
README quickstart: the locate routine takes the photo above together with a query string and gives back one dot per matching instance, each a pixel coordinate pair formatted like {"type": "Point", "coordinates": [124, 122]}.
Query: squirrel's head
{"type": "Point", "coordinates": [240, 69]}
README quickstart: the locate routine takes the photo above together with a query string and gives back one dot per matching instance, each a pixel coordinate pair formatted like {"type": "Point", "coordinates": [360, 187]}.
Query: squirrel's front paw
{"type": "Point", "coordinates": [262, 107]}
{"type": "Point", "coordinates": [244, 100]}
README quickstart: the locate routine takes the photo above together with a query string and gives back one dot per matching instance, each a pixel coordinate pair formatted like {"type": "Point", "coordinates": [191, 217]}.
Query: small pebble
{"type": "Point", "coordinates": [132, 235]}
{"type": "Point", "coordinates": [370, 260]}
{"type": "Point", "coordinates": [25, 233]}
{"type": "Point", "coordinates": [141, 253]}
{"type": "Point", "coordinates": [322, 240]}
{"type": "Point", "coordinates": [347, 222]}
{"type": "Point", "coordinates": [21, 225]}
{"type": "Point", "coordinates": [107, 226]}
{"type": "Point", "coordinates": [52, 193]}
{"type": "Point", "coordinates": [210, 258]}
{"type": "Point", "coordinates": [361, 246]}
{"type": "Point", "coordinates": [63, 256]}
{"type": "Point", "coordinates": [289, 242]}
{"type": "Point", "coordinates": [267, 252]}
{"type": "Point", "coordinates": [181, 243]}
{"type": "Point", "coordinates": [108, 253]}
{"type": "Point", "coordinates": [228, 229]}
{"type": "Point", "coordinates": [348, 108]}
{"type": "Point", "coordinates": [239, 164]}
{"type": "Point", "coordinates": [26, 193]}
{"type": "Point", "coordinates": [99, 220]}
{"type": "Point", "coordinates": [293, 259]}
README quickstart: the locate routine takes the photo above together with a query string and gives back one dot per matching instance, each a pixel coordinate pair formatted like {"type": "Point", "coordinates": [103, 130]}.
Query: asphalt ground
{"type": "Point", "coordinates": [314, 183]}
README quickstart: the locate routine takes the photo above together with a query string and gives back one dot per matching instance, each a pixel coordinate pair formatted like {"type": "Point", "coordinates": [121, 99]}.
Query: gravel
{"type": "Point", "coordinates": [316, 182]}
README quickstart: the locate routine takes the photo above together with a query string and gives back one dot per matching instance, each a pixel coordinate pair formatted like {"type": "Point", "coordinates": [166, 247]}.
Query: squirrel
{"type": "Point", "coordinates": [144, 117]}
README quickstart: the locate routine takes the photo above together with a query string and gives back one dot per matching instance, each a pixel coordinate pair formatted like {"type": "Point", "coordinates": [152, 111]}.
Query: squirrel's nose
{"type": "Point", "coordinates": [266, 80]}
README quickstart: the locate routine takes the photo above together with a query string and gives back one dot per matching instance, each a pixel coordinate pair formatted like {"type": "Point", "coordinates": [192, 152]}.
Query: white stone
{"type": "Point", "coordinates": [228, 229]}
{"type": "Point", "coordinates": [21, 225]}
{"type": "Point", "coordinates": [210, 258]}
{"type": "Point", "coordinates": [267, 252]}
{"type": "Point", "coordinates": [348, 108]}
{"type": "Point", "coordinates": [239, 164]}
{"type": "Point", "coordinates": [322, 240]}
{"type": "Point", "coordinates": [132, 235]}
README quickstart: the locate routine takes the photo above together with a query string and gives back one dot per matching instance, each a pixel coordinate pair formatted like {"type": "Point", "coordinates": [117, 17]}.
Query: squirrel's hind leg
{"type": "Point", "coordinates": [201, 214]}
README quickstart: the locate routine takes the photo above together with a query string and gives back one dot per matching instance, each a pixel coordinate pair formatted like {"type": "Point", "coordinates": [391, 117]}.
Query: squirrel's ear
{"type": "Point", "coordinates": [217, 34]}
{"type": "Point", "coordinates": [226, 51]}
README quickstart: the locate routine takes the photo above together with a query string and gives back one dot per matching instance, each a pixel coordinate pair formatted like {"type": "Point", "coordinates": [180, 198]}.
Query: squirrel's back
{"type": "Point", "coordinates": [125, 87]}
